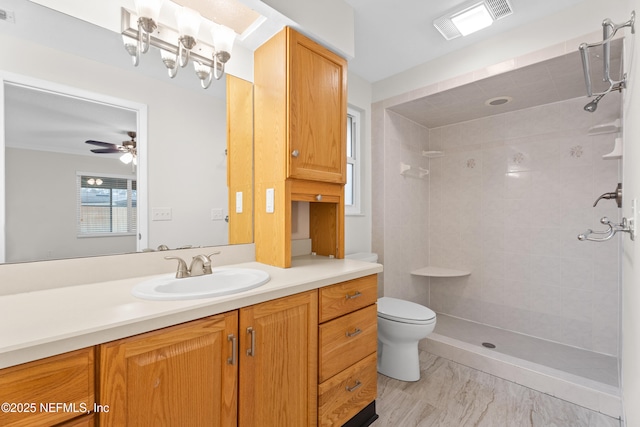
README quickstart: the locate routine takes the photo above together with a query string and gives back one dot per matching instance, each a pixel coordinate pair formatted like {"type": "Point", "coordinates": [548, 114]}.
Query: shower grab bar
{"type": "Point", "coordinates": [625, 226]}
{"type": "Point", "coordinates": [609, 30]}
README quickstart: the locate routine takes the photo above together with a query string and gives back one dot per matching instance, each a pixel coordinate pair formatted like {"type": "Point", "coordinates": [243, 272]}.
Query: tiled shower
{"type": "Point", "coordinates": [506, 202]}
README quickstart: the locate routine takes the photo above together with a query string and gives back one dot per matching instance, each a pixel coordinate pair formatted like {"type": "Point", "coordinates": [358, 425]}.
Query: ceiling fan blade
{"type": "Point", "coordinates": [106, 150]}
{"type": "Point", "coordinates": [100, 143]}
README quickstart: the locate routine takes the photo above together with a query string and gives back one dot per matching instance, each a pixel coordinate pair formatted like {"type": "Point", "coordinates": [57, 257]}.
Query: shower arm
{"type": "Point", "coordinates": [609, 30]}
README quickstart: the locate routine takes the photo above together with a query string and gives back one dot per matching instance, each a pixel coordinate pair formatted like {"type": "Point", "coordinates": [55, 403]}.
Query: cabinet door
{"type": "Point", "coordinates": [317, 111]}
{"type": "Point", "coordinates": [278, 365]}
{"type": "Point", "coordinates": [180, 375]}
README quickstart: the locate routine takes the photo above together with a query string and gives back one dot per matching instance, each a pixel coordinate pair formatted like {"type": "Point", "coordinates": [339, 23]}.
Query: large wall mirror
{"type": "Point", "coordinates": [55, 59]}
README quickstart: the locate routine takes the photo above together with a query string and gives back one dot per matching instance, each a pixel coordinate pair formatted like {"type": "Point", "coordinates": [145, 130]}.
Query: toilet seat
{"type": "Point", "coordinates": [398, 310]}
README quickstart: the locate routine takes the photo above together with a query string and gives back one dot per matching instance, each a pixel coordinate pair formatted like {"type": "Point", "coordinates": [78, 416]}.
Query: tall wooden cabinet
{"type": "Point", "coordinates": [240, 159]}
{"type": "Point", "coordinates": [300, 110]}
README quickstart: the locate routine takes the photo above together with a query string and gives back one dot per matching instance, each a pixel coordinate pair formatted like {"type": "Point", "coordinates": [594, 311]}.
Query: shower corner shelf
{"type": "Point", "coordinates": [617, 151]}
{"type": "Point", "coordinates": [433, 154]}
{"type": "Point", "coordinates": [432, 271]}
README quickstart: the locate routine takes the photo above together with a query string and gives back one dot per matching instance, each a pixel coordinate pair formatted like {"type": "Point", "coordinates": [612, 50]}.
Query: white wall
{"type": "Point", "coordinates": [41, 203]}
{"type": "Point", "coordinates": [631, 252]}
{"type": "Point", "coordinates": [357, 228]}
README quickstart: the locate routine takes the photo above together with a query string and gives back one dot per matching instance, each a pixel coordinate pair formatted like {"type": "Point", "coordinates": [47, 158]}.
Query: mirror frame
{"type": "Point", "coordinates": [88, 96]}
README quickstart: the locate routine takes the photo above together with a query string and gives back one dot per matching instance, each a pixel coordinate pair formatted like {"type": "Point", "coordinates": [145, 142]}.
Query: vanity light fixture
{"type": "Point", "coordinates": [180, 44]}
{"type": "Point", "coordinates": [472, 16]}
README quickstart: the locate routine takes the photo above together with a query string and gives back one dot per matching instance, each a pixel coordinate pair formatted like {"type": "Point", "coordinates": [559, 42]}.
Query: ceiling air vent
{"type": "Point", "coordinates": [497, 9]}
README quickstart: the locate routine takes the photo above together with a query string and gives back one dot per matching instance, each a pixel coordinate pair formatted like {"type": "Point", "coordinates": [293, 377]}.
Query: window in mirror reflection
{"type": "Point", "coordinates": [106, 205]}
{"type": "Point", "coordinates": [352, 186]}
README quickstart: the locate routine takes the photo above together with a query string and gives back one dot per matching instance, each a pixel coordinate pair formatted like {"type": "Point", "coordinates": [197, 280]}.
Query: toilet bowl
{"type": "Point", "coordinates": [401, 325]}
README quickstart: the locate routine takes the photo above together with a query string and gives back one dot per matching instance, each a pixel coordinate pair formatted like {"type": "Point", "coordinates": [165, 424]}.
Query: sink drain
{"type": "Point", "coordinates": [488, 345]}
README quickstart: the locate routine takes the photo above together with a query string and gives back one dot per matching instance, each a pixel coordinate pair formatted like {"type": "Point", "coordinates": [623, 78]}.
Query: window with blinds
{"type": "Point", "coordinates": [106, 205]}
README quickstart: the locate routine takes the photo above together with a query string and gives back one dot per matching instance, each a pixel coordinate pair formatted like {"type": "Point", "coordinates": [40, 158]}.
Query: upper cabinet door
{"type": "Point", "coordinates": [317, 111]}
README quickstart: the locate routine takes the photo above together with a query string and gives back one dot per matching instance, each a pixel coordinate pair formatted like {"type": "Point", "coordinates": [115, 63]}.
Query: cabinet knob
{"type": "Point", "coordinates": [319, 197]}
{"type": "Point", "coordinates": [295, 153]}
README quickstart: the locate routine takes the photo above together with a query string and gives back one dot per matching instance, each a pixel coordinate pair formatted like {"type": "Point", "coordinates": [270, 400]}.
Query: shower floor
{"type": "Point", "coordinates": [580, 376]}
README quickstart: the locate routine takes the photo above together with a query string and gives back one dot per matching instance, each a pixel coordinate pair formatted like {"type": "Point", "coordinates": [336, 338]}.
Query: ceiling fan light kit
{"type": "Point", "coordinates": [128, 148]}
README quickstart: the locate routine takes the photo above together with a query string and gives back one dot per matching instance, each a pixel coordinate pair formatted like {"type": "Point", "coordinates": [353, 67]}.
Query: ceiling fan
{"type": "Point", "coordinates": [128, 148]}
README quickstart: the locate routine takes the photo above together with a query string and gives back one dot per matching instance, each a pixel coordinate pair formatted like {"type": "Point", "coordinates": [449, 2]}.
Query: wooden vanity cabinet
{"type": "Point", "coordinates": [300, 107]}
{"type": "Point", "coordinates": [49, 391]}
{"type": "Point", "coordinates": [278, 364]}
{"type": "Point", "coordinates": [256, 366]}
{"type": "Point", "coordinates": [347, 365]}
{"type": "Point", "coordinates": [181, 375]}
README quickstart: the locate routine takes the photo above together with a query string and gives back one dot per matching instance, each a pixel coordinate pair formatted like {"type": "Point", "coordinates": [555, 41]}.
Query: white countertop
{"type": "Point", "coordinates": [34, 325]}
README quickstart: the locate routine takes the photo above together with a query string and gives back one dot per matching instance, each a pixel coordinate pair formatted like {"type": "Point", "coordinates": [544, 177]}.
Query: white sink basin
{"type": "Point", "coordinates": [223, 281]}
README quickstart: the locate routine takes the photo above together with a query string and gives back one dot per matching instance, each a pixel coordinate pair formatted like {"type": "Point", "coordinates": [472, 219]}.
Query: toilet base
{"type": "Point", "coordinates": [399, 361]}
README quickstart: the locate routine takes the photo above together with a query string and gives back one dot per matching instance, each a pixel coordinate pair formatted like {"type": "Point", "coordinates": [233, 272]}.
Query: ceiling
{"type": "Point", "coordinates": [394, 36]}
{"type": "Point", "coordinates": [555, 80]}
{"type": "Point", "coordinates": [46, 121]}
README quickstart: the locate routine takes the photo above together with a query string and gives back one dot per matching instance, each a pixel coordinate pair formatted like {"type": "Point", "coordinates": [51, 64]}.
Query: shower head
{"type": "Point", "coordinates": [591, 107]}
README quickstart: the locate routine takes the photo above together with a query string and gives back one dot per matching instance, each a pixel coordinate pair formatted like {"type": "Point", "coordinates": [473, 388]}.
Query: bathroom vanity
{"type": "Point", "coordinates": [300, 350]}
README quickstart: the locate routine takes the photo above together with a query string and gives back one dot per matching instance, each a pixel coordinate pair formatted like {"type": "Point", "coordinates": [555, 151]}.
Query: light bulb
{"type": "Point", "coordinates": [223, 38]}
{"type": "Point", "coordinates": [126, 158]}
{"type": "Point", "coordinates": [188, 22]}
{"type": "Point", "coordinates": [149, 8]}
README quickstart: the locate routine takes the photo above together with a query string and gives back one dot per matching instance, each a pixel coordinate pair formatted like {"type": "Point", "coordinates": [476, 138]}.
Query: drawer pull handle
{"type": "Point", "coordinates": [355, 295]}
{"type": "Point", "coordinates": [356, 386]}
{"type": "Point", "coordinates": [234, 349]}
{"type": "Point", "coordinates": [252, 350]}
{"type": "Point", "coordinates": [354, 333]}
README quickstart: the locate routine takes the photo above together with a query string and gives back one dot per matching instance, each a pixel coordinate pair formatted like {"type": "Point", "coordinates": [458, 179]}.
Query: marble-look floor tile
{"type": "Point", "coordinates": [450, 394]}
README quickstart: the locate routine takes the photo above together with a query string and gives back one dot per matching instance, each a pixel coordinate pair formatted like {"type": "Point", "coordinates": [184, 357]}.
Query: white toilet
{"type": "Point", "coordinates": [401, 324]}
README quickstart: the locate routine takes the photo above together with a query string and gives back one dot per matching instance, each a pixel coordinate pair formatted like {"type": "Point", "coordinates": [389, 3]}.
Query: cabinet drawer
{"type": "Point", "coordinates": [344, 395]}
{"type": "Point", "coordinates": [346, 340]}
{"type": "Point", "coordinates": [346, 297]}
{"type": "Point", "coordinates": [66, 379]}
{"type": "Point", "coordinates": [86, 421]}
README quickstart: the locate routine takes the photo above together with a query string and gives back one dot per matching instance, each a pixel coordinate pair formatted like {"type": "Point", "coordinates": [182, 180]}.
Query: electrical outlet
{"type": "Point", "coordinates": [161, 214]}
{"type": "Point", "coordinates": [217, 214]}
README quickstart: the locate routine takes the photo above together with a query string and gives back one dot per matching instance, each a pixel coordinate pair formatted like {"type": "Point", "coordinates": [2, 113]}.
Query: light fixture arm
{"type": "Point", "coordinates": [185, 44]}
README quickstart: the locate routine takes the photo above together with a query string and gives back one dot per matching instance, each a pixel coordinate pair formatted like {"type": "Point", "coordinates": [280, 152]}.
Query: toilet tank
{"type": "Point", "coordinates": [363, 256]}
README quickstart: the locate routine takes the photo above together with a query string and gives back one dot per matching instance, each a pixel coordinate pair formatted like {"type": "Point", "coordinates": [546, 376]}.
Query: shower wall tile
{"type": "Point", "coordinates": [507, 202]}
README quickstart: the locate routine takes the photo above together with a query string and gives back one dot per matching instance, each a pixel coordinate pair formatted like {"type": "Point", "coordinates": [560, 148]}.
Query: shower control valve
{"type": "Point", "coordinates": [617, 195]}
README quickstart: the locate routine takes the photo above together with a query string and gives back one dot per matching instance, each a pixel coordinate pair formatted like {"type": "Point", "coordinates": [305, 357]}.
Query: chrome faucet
{"type": "Point", "coordinates": [200, 265]}
{"type": "Point", "coordinates": [183, 271]}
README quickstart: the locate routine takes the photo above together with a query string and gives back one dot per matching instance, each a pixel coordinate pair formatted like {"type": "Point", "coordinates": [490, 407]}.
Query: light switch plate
{"type": "Point", "coordinates": [270, 199]}
{"type": "Point", "coordinates": [238, 201]}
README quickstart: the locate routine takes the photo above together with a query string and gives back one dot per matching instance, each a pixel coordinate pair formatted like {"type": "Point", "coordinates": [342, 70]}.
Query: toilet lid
{"type": "Point", "coordinates": [404, 311]}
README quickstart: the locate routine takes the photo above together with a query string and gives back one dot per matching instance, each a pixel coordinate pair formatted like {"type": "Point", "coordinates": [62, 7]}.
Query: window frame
{"type": "Point", "coordinates": [355, 160]}
{"type": "Point", "coordinates": [132, 220]}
